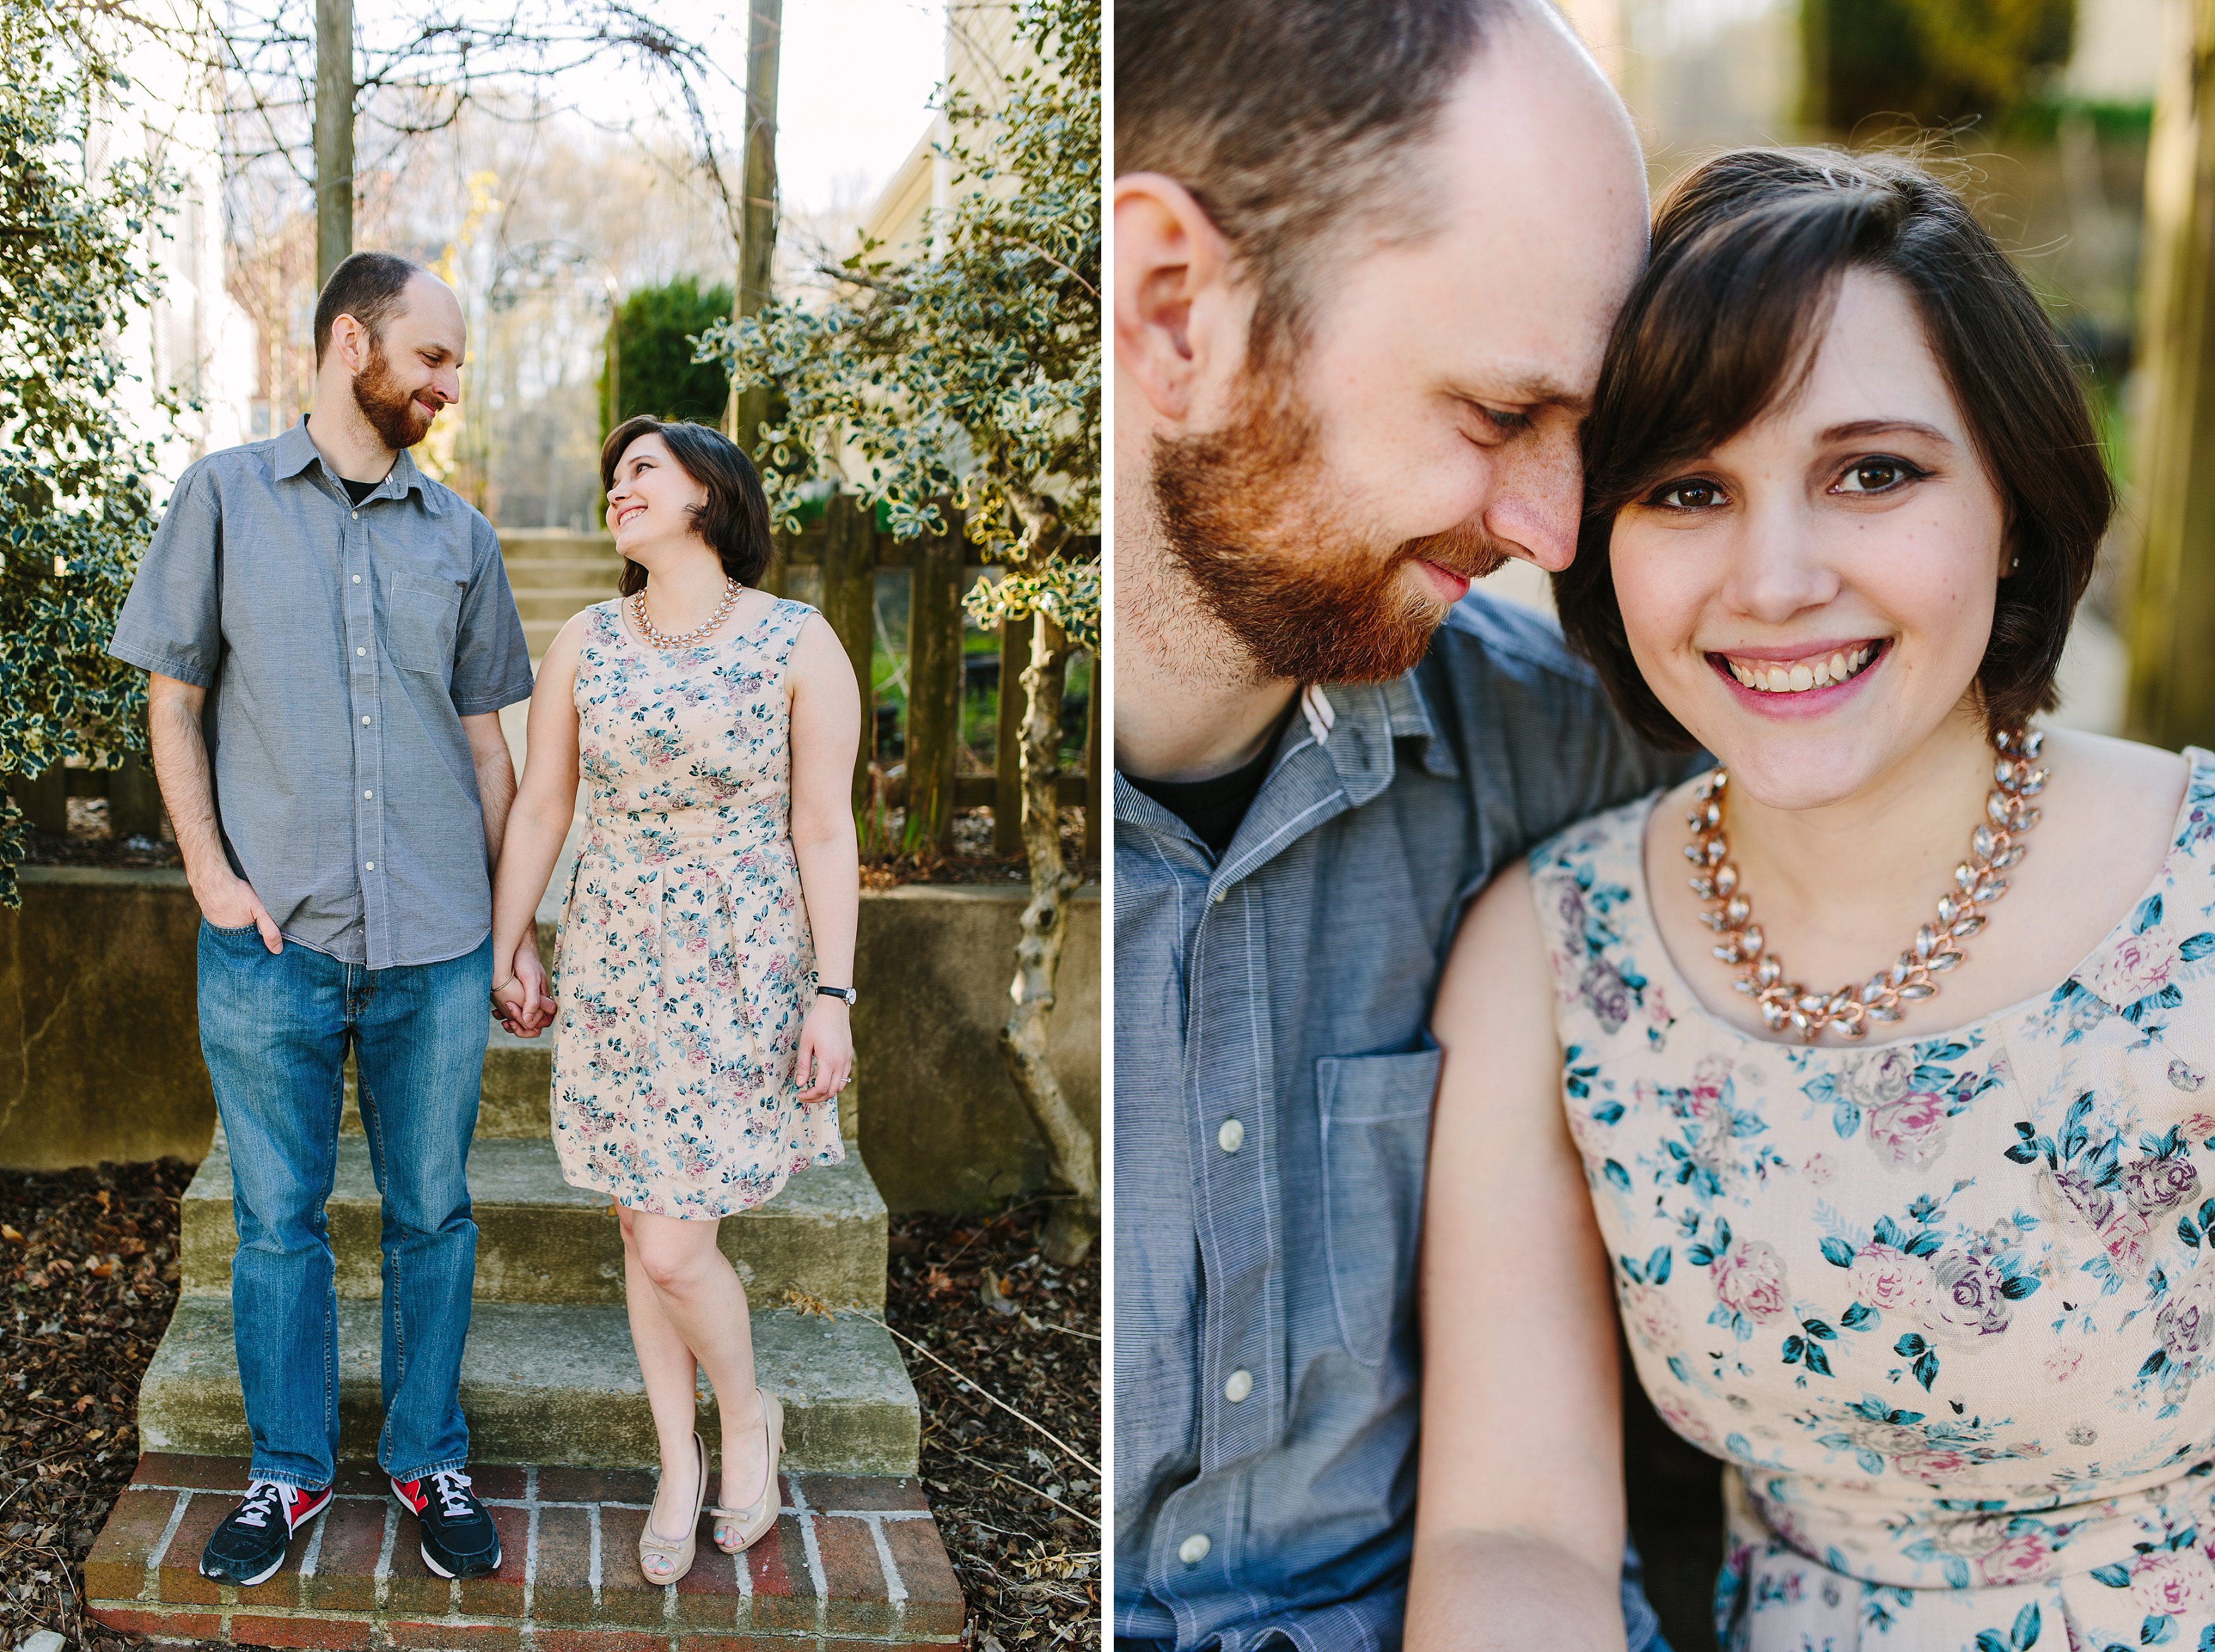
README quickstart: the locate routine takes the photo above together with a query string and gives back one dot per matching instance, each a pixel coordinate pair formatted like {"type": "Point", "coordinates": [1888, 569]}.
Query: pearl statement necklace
{"type": "Point", "coordinates": [1994, 847]}
{"type": "Point", "coordinates": [730, 589]}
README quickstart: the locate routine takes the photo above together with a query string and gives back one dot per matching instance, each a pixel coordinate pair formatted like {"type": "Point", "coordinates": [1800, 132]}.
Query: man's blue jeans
{"type": "Point", "coordinates": [275, 1030]}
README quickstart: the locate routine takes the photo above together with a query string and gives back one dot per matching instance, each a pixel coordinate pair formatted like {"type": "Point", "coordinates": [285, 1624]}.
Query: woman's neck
{"type": "Point", "coordinates": [1855, 878]}
{"type": "Point", "coordinates": [682, 590]}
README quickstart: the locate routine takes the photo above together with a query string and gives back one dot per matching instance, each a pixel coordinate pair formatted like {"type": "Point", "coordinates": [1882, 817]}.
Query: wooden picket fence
{"type": "Point", "coordinates": [849, 550]}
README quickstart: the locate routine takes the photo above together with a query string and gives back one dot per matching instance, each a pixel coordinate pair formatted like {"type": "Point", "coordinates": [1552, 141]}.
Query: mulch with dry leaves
{"type": "Point", "coordinates": [1017, 1496]}
{"type": "Point", "coordinates": [87, 1279]}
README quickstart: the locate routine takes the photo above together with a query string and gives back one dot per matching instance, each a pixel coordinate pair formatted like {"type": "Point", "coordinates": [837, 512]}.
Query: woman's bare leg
{"type": "Point", "coordinates": [670, 1375]}
{"type": "Point", "coordinates": [699, 1306]}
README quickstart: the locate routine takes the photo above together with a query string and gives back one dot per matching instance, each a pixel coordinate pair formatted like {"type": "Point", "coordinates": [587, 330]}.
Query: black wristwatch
{"type": "Point", "coordinates": [845, 995]}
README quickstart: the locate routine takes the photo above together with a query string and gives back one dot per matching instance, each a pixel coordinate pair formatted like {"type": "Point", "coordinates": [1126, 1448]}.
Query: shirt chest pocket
{"type": "Point", "coordinates": [421, 620]}
{"type": "Point", "coordinates": [1376, 1112]}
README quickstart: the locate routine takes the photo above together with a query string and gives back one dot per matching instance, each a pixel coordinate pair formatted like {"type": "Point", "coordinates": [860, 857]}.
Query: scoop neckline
{"type": "Point", "coordinates": [641, 647]}
{"type": "Point", "coordinates": [2196, 758]}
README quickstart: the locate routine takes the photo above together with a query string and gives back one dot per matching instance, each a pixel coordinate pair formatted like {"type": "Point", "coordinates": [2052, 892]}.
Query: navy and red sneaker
{"type": "Point", "coordinates": [249, 1545]}
{"type": "Point", "coordinates": [459, 1540]}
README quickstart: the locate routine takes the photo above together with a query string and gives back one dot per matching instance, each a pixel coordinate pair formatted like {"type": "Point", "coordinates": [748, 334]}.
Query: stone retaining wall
{"type": "Point", "coordinates": [99, 1044]}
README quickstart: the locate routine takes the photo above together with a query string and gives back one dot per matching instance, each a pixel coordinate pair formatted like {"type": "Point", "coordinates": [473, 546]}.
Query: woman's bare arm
{"type": "Point", "coordinates": [537, 822]}
{"type": "Point", "coordinates": [1519, 1513]}
{"type": "Point", "coordinates": [826, 732]}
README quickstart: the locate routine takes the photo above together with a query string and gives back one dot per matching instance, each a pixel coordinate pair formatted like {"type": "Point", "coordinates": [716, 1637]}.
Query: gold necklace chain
{"type": "Point", "coordinates": [730, 589]}
{"type": "Point", "coordinates": [1994, 846]}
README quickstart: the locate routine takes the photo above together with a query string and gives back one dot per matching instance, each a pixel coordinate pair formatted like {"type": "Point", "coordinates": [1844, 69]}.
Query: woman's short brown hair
{"type": "Point", "coordinates": [1748, 250]}
{"type": "Point", "coordinates": [734, 519]}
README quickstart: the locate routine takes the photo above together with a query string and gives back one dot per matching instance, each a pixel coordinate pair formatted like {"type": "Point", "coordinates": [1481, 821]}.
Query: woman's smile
{"type": "Point", "coordinates": [1799, 681]}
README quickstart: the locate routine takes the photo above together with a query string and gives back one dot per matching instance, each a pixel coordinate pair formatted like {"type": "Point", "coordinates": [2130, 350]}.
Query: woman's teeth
{"type": "Point", "coordinates": [1764, 678]}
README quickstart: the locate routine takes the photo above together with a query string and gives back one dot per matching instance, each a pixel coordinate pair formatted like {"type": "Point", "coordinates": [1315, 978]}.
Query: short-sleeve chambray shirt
{"type": "Point", "coordinates": [341, 646]}
{"type": "Point", "coordinates": [1273, 1080]}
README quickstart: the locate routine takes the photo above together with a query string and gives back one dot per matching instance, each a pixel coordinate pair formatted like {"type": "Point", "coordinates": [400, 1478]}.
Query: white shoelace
{"type": "Point", "coordinates": [263, 1499]}
{"type": "Point", "coordinates": [453, 1494]}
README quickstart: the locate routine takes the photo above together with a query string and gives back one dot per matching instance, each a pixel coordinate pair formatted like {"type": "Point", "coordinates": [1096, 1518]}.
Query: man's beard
{"type": "Point", "coordinates": [1311, 598]}
{"type": "Point", "coordinates": [393, 414]}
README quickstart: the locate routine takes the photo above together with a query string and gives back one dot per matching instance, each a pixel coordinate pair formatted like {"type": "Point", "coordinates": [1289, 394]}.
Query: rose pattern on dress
{"type": "Point", "coordinates": [1942, 1304]}
{"type": "Point", "coordinates": [685, 954]}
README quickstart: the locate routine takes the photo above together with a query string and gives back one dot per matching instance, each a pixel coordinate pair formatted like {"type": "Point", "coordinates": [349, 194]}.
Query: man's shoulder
{"type": "Point", "coordinates": [255, 461]}
{"type": "Point", "coordinates": [1490, 641]}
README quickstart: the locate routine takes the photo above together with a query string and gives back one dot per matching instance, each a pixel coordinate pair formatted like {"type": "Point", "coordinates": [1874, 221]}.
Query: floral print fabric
{"type": "Point", "coordinates": [685, 960]}
{"type": "Point", "coordinates": [1943, 1306]}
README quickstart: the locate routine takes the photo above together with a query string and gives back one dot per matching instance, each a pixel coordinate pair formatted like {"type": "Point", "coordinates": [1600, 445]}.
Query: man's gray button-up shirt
{"type": "Point", "coordinates": [1273, 1080]}
{"type": "Point", "coordinates": [341, 647]}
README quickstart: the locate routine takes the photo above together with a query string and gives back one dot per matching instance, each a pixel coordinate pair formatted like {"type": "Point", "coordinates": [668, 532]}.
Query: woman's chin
{"type": "Point", "coordinates": [1796, 766]}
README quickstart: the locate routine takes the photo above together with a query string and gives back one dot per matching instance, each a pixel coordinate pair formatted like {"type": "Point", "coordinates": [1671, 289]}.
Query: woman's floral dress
{"type": "Point", "coordinates": [1943, 1305]}
{"type": "Point", "coordinates": [685, 960]}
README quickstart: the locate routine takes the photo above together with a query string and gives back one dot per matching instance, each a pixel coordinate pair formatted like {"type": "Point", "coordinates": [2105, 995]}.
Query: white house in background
{"type": "Point", "coordinates": [194, 341]}
{"type": "Point", "coordinates": [982, 52]}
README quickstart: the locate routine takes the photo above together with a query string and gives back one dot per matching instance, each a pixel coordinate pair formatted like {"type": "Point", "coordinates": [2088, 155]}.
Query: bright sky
{"type": "Point", "coordinates": [852, 94]}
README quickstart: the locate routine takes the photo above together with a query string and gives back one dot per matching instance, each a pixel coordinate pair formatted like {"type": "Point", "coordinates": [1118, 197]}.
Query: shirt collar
{"type": "Point", "coordinates": [297, 451]}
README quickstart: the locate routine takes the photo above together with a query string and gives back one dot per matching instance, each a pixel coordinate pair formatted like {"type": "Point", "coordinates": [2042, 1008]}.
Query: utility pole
{"type": "Point", "coordinates": [758, 221]}
{"type": "Point", "coordinates": [334, 135]}
{"type": "Point", "coordinates": [2172, 692]}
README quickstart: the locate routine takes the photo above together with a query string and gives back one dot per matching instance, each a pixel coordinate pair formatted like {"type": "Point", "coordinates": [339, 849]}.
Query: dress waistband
{"type": "Point", "coordinates": [1967, 1541]}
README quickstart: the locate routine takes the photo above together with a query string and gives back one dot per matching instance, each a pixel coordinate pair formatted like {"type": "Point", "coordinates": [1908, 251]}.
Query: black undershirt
{"type": "Point", "coordinates": [1213, 808]}
{"type": "Point", "coordinates": [357, 491]}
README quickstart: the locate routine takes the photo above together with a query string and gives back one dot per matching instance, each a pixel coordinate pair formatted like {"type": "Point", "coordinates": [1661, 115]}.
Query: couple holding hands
{"type": "Point", "coordinates": [330, 638]}
{"type": "Point", "coordinates": [1750, 979]}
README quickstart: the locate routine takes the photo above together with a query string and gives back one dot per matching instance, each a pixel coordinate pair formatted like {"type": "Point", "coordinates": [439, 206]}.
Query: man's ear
{"type": "Point", "coordinates": [349, 341]}
{"type": "Point", "coordinates": [1175, 308]}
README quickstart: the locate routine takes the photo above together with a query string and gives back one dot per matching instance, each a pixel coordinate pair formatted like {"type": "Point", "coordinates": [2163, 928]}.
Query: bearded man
{"type": "Point", "coordinates": [1367, 255]}
{"type": "Point", "coordinates": [330, 638]}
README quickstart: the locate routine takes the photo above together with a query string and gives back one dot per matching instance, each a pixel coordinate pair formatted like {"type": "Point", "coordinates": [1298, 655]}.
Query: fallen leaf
{"type": "Point", "coordinates": [102, 1197]}
{"type": "Point", "coordinates": [993, 1294]}
{"type": "Point", "coordinates": [809, 1305]}
{"type": "Point", "coordinates": [937, 1279]}
{"type": "Point", "coordinates": [8, 1232]}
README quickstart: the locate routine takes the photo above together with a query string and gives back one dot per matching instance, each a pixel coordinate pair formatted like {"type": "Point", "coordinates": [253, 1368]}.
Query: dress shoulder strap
{"type": "Point", "coordinates": [1589, 884]}
{"type": "Point", "coordinates": [782, 632]}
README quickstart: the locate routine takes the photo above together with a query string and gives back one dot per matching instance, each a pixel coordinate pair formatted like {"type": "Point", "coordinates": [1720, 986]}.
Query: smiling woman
{"type": "Point", "coordinates": [1845, 496]}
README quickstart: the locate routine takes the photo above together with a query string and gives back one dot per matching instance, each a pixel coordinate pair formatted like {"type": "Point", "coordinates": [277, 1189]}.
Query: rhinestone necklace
{"type": "Point", "coordinates": [1996, 845]}
{"type": "Point", "coordinates": [730, 589]}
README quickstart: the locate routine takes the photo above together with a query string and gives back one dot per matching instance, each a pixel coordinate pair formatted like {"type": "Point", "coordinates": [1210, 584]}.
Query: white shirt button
{"type": "Point", "coordinates": [1217, 896]}
{"type": "Point", "coordinates": [365, 794]}
{"type": "Point", "coordinates": [365, 722]}
{"type": "Point", "coordinates": [357, 516]}
{"type": "Point", "coordinates": [1193, 1549]}
{"type": "Point", "coordinates": [357, 578]}
{"type": "Point", "coordinates": [1231, 1137]}
{"type": "Point", "coordinates": [361, 650]}
{"type": "Point", "coordinates": [1239, 1386]}
{"type": "Point", "coordinates": [369, 866]}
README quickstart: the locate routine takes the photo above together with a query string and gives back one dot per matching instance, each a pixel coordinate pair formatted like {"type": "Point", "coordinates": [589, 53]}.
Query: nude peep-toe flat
{"type": "Point", "coordinates": [677, 1555]}
{"type": "Point", "coordinates": [754, 1521]}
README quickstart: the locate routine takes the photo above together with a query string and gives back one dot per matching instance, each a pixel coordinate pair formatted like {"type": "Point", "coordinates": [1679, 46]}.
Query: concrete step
{"type": "Point", "coordinates": [538, 636]}
{"type": "Point", "coordinates": [540, 1240]}
{"type": "Point", "coordinates": [558, 1385]}
{"type": "Point", "coordinates": [557, 603]}
{"type": "Point", "coordinates": [519, 1082]}
{"type": "Point", "coordinates": [534, 572]}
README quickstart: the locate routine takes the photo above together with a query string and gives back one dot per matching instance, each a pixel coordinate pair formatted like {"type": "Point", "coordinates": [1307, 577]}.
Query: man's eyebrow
{"type": "Point", "coordinates": [1528, 390]}
{"type": "Point", "coordinates": [1858, 428]}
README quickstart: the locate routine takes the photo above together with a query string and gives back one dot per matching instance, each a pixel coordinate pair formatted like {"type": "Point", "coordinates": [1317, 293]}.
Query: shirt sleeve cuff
{"type": "Point", "coordinates": [494, 700]}
{"type": "Point", "coordinates": [150, 655]}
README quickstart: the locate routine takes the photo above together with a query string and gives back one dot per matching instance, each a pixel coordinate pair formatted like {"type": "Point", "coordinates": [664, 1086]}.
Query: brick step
{"type": "Point", "coordinates": [538, 636]}
{"type": "Point", "coordinates": [854, 1563]}
{"type": "Point", "coordinates": [559, 1384]}
{"type": "Point", "coordinates": [540, 1240]}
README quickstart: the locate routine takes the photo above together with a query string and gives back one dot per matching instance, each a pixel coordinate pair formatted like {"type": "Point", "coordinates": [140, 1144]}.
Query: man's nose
{"type": "Point", "coordinates": [1538, 499]}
